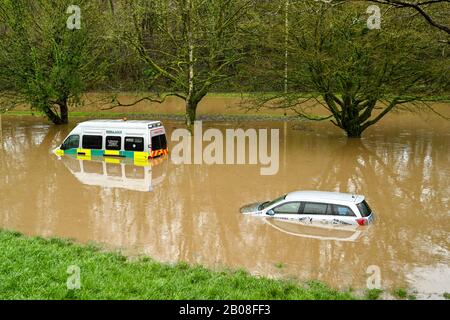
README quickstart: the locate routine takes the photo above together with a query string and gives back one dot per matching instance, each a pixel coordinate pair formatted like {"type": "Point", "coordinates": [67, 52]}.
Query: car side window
{"type": "Point", "coordinates": [72, 142]}
{"type": "Point", "coordinates": [317, 208]}
{"type": "Point", "coordinates": [344, 211]}
{"type": "Point", "coordinates": [289, 208]}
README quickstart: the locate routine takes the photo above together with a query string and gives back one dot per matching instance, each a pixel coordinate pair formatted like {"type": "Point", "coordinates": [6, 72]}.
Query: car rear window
{"type": "Point", "coordinates": [343, 211]}
{"type": "Point", "coordinates": [364, 208]}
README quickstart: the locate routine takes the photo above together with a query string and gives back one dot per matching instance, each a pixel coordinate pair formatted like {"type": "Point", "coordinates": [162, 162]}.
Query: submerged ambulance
{"type": "Point", "coordinates": [136, 139]}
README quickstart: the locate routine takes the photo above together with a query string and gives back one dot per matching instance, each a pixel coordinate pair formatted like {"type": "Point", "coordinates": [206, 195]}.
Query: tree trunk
{"type": "Point", "coordinates": [53, 117]}
{"type": "Point", "coordinates": [353, 130]}
{"type": "Point", "coordinates": [111, 5]}
{"type": "Point", "coordinates": [64, 112]}
{"type": "Point", "coordinates": [191, 103]}
{"type": "Point", "coordinates": [350, 120]}
{"type": "Point", "coordinates": [63, 118]}
{"type": "Point", "coordinates": [191, 113]}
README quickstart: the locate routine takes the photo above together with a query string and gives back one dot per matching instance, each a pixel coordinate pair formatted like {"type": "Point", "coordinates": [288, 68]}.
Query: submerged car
{"type": "Point", "coordinates": [315, 206]}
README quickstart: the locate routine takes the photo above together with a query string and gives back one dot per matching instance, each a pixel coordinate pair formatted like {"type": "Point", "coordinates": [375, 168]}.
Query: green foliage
{"type": "Point", "coordinates": [32, 268]}
{"type": "Point", "coordinates": [42, 62]}
{"type": "Point", "coordinates": [401, 293]}
{"type": "Point", "coordinates": [373, 294]}
{"type": "Point", "coordinates": [351, 71]}
{"type": "Point", "coordinates": [189, 48]}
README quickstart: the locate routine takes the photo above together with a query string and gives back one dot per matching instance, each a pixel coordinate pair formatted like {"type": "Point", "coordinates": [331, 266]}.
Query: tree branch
{"type": "Point", "coordinates": [150, 99]}
{"type": "Point", "coordinates": [419, 9]}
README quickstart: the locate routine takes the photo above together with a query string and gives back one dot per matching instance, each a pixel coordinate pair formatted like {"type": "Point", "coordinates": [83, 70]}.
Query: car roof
{"type": "Point", "coordinates": [324, 196]}
{"type": "Point", "coordinates": [118, 123]}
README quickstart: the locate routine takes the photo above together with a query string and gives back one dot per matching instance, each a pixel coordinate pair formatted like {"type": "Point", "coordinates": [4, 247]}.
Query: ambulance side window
{"type": "Point", "coordinates": [113, 143]}
{"type": "Point", "coordinates": [134, 144]}
{"type": "Point", "coordinates": [92, 142]}
{"type": "Point", "coordinates": [72, 142]}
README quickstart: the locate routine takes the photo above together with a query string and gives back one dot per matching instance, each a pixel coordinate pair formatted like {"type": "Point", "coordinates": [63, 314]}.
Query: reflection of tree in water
{"type": "Point", "coordinates": [395, 175]}
{"type": "Point", "coordinates": [121, 217]}
{"type": "Point", "coordinates": [23, 139]}
{"type": "Point", "coordinates": [189, 224]}
{"type": "Point", "coordinates": [400, 173]}
{"type": "Point", "coordinates": [395, 169]}
{"type": "Point", "coordinates": [27, 177]}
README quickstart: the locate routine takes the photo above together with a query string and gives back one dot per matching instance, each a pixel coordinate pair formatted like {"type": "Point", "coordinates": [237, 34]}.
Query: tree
{"type": "Point", "coordinates": [42, 62]}
{"type": "Point", "coordinates": [355, 74]}
{"type": "Point", "coordinates": [188, 46]}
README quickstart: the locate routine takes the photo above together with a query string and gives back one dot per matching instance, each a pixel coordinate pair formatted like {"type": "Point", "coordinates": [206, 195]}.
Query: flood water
{"type": "Point", "coordinates": [191, 212]}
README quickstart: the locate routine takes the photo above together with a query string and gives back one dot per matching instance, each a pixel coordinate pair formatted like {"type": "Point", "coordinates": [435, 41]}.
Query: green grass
{"type": "Point", "coordinates": [400, 293]}
{"type": "Point", "coordinates": [279, 265]}
{"type": "Point", "coordinates": [36, 268]}
{"type": "Point", "coordinates": [373, 294]}
{"type": "Point", "coordinates": [171, 116]}
{"type": "Point", "coordinates": [446, 295]}
{"type": "Point", "coordinates": [252, 94]}
{"type": "Point", "coordinates": [87, 114]}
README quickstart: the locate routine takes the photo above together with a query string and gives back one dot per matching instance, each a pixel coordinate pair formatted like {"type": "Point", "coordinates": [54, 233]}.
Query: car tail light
{"type": "Point", "coordinates": [361, 222]}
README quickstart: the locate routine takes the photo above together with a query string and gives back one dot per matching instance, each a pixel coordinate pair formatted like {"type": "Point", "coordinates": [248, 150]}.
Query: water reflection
{"type": "Point", "coordinates": [193, 213]}
{"type": "Point", "coordinates": [336, 233]}
{"type": "Point", "coordinates": [116, 172]}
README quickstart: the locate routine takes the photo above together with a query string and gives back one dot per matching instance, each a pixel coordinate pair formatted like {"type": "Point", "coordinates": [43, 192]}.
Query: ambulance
{"type": "Point", "coordinates": [139, 140]}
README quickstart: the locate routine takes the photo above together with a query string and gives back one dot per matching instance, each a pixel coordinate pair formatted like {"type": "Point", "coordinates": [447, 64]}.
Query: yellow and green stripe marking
{"type": "Point", "coordinates": [137, 156]}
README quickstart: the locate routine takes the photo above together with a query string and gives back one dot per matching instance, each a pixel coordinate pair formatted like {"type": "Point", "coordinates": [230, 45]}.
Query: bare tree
{"type": "Point", "coordinates": [356, 75]}
{"type": "Point", "coordinates": [188, 46]}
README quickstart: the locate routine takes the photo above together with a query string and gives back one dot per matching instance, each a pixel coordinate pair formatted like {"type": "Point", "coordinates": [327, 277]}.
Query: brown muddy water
{"type": "Point", "coordinates": [191, 212]}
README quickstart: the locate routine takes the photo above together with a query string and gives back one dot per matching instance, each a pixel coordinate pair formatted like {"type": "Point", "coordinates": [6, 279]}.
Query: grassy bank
{"type": "Point", "coordinates": [36, 268]}
{"type": "Point", "coordinates": [162, 116]}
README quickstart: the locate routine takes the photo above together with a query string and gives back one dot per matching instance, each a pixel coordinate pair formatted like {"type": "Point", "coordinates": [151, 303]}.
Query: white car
{"type": "Point", "coordinates": [315, 206]}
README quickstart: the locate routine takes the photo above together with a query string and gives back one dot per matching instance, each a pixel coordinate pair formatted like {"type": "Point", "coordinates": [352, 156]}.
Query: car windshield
{"type": "Point", "coordinates": [364, 209]}
{"type": "Point", "coordinates": [270, 203]}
